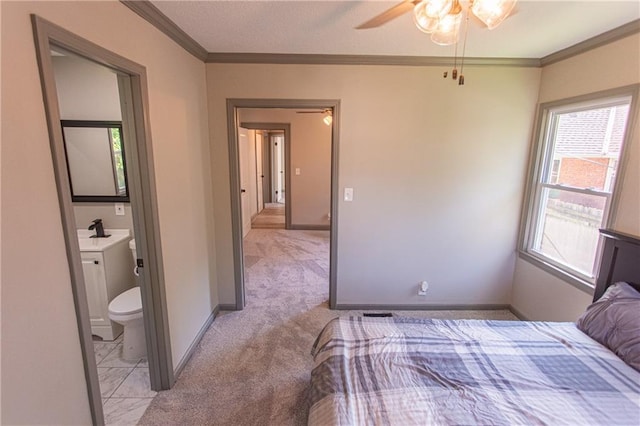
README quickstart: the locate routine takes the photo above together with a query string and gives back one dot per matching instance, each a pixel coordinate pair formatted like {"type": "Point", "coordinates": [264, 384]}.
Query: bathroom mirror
{"type": "Point", "coordinates": [95, 160]}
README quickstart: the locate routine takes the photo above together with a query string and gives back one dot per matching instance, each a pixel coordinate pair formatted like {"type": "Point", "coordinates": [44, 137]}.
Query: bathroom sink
{"type": "Point", "coordinates": [100, 244]}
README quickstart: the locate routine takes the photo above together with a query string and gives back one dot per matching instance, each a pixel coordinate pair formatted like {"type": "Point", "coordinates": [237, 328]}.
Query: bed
{"type": "Point", "coordinates": [409, 371]}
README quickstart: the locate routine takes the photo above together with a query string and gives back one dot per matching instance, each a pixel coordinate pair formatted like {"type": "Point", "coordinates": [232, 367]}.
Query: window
{"type": "Point", "coordinates": [579, 147]}
{"type": "Point", "coordinates": [118, 160]}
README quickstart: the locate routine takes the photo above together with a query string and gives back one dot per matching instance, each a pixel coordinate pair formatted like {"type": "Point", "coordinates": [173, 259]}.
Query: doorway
{"type": "Point", "coordinates": [234, 124]}
{"type": "Point", "coordinates": [131, 145]}
{"type": "Point", "coordinates": [266, 188]}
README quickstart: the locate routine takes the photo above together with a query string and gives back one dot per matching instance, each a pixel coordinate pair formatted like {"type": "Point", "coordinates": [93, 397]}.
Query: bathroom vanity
{"type": "Point", "coordinates": [107, 265]}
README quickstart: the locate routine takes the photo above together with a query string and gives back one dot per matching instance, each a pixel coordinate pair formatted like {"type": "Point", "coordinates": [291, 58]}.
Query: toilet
{"type": "Point", "coordinates": [126, 309]}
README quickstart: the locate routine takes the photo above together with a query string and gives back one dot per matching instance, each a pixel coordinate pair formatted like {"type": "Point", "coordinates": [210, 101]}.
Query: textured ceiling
{"type": "Point", "coordinates": [537, 29]}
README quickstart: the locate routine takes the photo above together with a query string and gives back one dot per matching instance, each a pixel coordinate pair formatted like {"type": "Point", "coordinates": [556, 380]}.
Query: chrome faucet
{"type": "Point", "coordinates": [97, 225]}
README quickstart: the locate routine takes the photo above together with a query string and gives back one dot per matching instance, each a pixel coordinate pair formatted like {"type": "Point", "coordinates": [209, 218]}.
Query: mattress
{"type": "Point", "coordinates": [408, 371]}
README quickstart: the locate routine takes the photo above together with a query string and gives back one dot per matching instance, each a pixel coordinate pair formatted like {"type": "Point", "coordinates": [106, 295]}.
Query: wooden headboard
{"type": "Point", "coordinates": [620, 261]}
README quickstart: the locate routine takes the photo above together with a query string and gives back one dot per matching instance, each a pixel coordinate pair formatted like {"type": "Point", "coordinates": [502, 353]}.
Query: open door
{"type": "Point", "coordinates": [278, 167]}
{"type": "Point", "coordinates": [260, 178]}
{"type": "Point", "coordinates": [244, 139]}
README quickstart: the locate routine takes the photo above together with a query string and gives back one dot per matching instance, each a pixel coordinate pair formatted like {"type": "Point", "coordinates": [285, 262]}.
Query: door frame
{"type": "Point", "coordinates": [132, 83]}
{"type": "Point", "coordinates": [233, 104]}
{"type": "Point", "coordinates": [286, 127]}
{"type": "Point", "coordinates": [245, 160]}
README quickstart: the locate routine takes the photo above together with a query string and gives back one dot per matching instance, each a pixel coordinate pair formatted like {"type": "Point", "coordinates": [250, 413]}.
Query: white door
{"type": "Point", "coordinates": [259, 171]}
{"type": "Point", "coordinates": [252, 189]}
{"type": "Point", "coordinates": [278, 168]}
{"type": "Point", "coordinates": [244, 138]}
{"type": "Point", "coordinates": [281, 197]}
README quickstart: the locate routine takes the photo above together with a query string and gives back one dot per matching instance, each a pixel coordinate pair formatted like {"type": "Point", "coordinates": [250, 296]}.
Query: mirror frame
{"type": "Point", "coordinates": [96, 124]}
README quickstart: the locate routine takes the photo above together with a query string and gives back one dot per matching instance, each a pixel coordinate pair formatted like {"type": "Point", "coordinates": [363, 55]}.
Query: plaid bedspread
{"type": "Point", "coordinates": [407, 371]}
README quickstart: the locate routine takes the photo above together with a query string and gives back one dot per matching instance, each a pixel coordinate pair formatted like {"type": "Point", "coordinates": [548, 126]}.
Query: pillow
{"type": "Point", "coordinates": [614, 321]}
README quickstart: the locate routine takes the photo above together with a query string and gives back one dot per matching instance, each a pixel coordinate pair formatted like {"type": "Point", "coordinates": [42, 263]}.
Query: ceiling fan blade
{"type": "Point", "coordinates": [388, 15]}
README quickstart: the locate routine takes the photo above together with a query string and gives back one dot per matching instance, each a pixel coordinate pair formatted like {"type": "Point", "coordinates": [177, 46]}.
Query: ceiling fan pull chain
{"type": "Point", "coordinates": [454, 73]}
{"type": "Point", "coordinates": [464, 49]}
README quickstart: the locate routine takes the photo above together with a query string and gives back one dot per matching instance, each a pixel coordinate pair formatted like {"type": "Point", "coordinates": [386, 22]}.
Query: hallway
{"type": "Point", "coordinates": [271, 217]}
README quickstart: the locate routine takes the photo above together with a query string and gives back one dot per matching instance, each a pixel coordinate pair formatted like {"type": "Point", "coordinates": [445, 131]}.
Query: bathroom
{"type": "Point", "coordinates": [89, 103]}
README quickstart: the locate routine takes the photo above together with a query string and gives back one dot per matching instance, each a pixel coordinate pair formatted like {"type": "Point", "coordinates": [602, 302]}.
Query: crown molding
{"type": "Point", "coordinates": [159, 20]}
{"type": "Point", "coordinates": [155, 17]}
{"type": "Point", "coordinates": [623, 31]}
{"type": "Point", "coordinates": [312, 59]}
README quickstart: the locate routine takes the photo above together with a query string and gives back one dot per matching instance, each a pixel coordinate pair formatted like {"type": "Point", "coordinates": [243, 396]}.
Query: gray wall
{"type": "Point", "coordinates": [86, 91]}
{"type": "Point", "coordinates": [438, 174]}
{"type": "Point", "coordinates": [85, 213]}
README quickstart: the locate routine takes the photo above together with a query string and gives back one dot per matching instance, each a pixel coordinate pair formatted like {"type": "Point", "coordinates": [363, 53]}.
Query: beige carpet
{"type": "Point", "coordinates": [252, 367]}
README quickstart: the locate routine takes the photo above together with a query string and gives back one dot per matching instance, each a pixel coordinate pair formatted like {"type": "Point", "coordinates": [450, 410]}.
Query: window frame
{"type": "Point", "coordinates": [540, 168]}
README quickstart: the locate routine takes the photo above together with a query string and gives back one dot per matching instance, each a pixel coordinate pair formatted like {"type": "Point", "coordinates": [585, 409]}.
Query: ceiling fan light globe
{"type": "Point", "coordinates": [437, 8]}
{"type": "Point", "coordinates": [448, 30]}
{"type": "Point", "coordinates": [492, 12]}
{"type": "Point", "coordinates": [422, 21]}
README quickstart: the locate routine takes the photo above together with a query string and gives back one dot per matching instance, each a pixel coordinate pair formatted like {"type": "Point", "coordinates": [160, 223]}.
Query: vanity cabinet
{"type": "Point", "coordinates": [107, 273]}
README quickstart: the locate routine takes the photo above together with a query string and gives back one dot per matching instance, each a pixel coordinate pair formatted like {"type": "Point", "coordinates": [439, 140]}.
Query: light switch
{"type": "Point", "coordinates": [297, 171]}
{"type": "Point", "coordinates": [348, 194]}
{"type": "Point", "coordinates": [119, 209]}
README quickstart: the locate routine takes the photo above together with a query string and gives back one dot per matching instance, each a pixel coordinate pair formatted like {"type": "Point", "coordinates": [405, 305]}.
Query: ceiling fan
{"type": "Point", "coordinates": [441, 18]}
{"type": "Point", "coordinates": [318, 111]}
{"type": "Point", "coordinates": [389, 15]}
{"type": "Point", "coordinates": [328, 114]}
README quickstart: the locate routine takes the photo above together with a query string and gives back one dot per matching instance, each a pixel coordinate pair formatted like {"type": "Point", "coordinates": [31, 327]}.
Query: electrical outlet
{"type": "Point", "coordinates": [422, 289]}
{"type": "Point", "coordinates": [119, 209]}
{"type": "Point", "coordinates": [348, 194]}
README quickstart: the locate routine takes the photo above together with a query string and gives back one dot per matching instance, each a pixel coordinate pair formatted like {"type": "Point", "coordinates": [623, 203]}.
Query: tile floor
{"type": "Point", "coordinates": [124, 385]}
